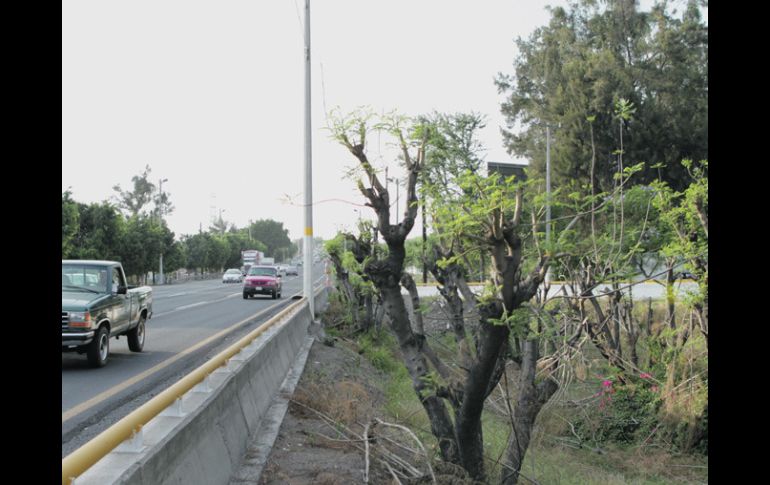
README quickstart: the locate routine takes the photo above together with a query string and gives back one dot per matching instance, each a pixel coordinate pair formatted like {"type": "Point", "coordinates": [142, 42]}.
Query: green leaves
{"type": "Point", "coordinates": [596, 63]}
{"type": "Point", "coordinates": [624, 109]}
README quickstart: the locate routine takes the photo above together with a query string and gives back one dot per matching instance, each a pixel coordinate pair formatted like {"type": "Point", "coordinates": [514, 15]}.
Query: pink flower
{"type": "Point", "coordinates": [607, 383]}
{"type": "Point", "coordinates": [645, 375]}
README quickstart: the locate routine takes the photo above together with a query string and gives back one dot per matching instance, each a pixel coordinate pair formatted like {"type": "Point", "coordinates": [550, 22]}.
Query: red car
{"type": "Point", "coordinates": [262, 280]}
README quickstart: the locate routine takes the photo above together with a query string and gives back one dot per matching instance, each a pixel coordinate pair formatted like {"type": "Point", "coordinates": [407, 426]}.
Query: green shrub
{"type": "Point", "coordinates": [623, 414]}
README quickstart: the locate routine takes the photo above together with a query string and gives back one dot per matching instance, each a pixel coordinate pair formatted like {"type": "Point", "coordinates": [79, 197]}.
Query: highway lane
{"type": "Point", "coordinates": [191, 322]}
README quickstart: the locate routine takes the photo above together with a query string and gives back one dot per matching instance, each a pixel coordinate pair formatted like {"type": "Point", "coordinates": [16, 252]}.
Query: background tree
{"type": "Point", "coordinates": [588, 57]}
{"type": "Point", "coordinates": [198, 248]}
{"type": "Point", "coordinates": [70, 223]}
{"type": "Point", "coordinates": [162, 202]}
{"type": "Point", "coordinates": [134, 200]}
{"type": "Point", "coordinates": [238, 240]}
{"type": "Point", "coordinates": [219, 226]}
{"type": "Point", "coordinates": [686, 214]}
{"type": "Point", "coordinates": [272, 234]}
{"type": "Point", "coordinates": [175, 257]}
{"type": "Point", "coordinates": [100, 232]}
{"type": "Point", "coordinates": [144, 239]}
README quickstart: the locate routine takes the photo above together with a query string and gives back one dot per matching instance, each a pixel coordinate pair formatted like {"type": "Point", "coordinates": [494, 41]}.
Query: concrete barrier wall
{"type": "Point", "coordinates": [204, 438]}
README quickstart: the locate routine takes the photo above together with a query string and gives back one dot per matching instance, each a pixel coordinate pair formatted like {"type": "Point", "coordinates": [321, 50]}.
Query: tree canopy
{"type": "Point", "coordinates": [582, 63]}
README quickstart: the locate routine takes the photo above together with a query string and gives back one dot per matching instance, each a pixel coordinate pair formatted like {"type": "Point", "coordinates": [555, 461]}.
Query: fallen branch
{"type": "Point", "coordinates": [348, 433]}
{"type": "Point", "coordinates": [419, 443]}
{"type": "Point", "coordinates": [366, 454]}
{"type": "Point", "coordinates": [393, 474]}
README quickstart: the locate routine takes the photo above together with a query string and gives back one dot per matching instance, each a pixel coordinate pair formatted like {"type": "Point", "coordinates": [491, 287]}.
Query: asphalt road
{"type": "Point", "coordinates": [191, 322]}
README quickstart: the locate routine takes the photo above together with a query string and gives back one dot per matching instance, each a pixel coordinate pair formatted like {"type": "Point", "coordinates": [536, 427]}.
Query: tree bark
{"type": "Point", "coordinates": [440, 420]}
{"type": "Point", "coordinates": [532, 397]}
{"type": "Point", "coordinates": [468, 418]}
{"type": "Point", "coordinates": [670, 298]}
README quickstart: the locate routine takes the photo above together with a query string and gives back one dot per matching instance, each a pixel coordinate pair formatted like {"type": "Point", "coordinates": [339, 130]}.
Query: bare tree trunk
{"type": "Point", "coordinates": [703, 319]}
{"type": "Point", "coordinates": [440, 420]}
{"type": "Point", "coordinates": [450, 280]}
{"type": "Point", "coordinates": [366, 324]}
{"type": "Point", "coordinates": [468, 418]}
{"type": "Point", "coordinates": [532, 397]}
{"type": "Point", "coordinates": [599, 331]}
{"type": "Point", "coordinates": [632, 332]}
{"type": "Point", "coordinates": [615, 304]}
{"type": "Point", "coordinates": [670, 297]}
{"type": "Point", "coordinates": [419, 328]}
{"type": "Point", "coordinates": [649, 317]}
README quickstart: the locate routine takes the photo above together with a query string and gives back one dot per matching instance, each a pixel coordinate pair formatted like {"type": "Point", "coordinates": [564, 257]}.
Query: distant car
{"type": "Point", "coordinates": [232, 276]}
{"type": "Point", "coordinates": [685, 275]}
{"type": "Point", "coordinates": [293, 270]}
{"type": "Point", "coordinates": [281, 269]}
{"type": "Point", "coordinates": [262, 280]}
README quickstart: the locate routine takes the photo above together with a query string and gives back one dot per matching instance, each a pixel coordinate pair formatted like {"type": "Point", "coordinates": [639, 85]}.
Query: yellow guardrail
{"type": "Point", "coordinates": [87, 455]}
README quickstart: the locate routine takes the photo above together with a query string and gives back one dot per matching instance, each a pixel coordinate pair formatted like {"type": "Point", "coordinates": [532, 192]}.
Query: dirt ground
{"type": "Point", "coordinates": [339, 388]}
{"type": "Point", "coordinates": [341, 385]}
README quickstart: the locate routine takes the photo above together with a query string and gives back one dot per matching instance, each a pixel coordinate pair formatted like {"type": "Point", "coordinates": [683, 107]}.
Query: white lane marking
{"type": "Point", "coordinates": [185, 307]}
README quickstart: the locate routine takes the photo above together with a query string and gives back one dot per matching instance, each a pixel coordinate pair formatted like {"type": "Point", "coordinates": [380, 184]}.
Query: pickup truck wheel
{"type": "Point", "coordinates": [274, 295]}
{"type": "Point", "coordinates": [136, 336]}
{"type": "Point", "coordinates": [245, 296]}
{"type": "Point", "coordinates": [99, 350]}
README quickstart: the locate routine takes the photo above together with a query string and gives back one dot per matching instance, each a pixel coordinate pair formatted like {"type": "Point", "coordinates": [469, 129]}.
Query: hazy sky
{"type": "Point", "coordinates": [210, 95]}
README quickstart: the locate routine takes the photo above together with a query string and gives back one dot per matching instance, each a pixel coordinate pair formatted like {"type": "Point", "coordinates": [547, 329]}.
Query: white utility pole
{"type": "Point", "coordinates": [308, 246]}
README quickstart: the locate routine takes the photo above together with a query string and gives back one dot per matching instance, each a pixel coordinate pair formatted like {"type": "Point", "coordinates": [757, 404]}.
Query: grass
{"type": "Point", "coordinates": [550, 459]}
{"type": "Point", "coordinates": [561, 465]}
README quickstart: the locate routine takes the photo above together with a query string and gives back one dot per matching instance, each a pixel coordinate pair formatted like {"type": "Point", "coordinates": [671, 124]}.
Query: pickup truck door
{"type": "Point", "coordinates": [120, 305]}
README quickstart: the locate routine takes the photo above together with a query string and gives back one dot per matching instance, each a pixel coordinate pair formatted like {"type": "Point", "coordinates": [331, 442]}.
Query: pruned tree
{"type": "Point", "coordinates": [386, 272]}
{"type": "Point", "coordinates": [487, 215]}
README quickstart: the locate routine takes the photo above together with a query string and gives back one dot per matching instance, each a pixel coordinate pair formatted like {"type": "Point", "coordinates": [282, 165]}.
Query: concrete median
{"type": "Point", "coordinates": [203, 437]}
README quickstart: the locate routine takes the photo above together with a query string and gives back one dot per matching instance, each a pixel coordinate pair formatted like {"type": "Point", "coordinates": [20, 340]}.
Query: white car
{"type": "Point", "coordinates": [232, 276]}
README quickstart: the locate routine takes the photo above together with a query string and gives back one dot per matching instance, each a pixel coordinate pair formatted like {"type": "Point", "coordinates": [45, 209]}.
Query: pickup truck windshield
{"type": "Point", "coordinates": [91, 278]}
{"type": "Point", "coordinates": [262, 272]}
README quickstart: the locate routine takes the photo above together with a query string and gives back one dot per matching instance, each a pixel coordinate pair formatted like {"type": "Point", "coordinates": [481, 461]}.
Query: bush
{"type": "Point", "coordinates": [337, 317]}
{"type": "Point", "coordinates": [624, 414]}
{"type": "Point", "coordinates": [376, 347]}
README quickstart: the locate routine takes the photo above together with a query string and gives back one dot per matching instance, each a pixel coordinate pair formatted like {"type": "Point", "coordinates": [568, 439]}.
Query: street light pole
{"type": "Point", "coordinates": [160, 215]}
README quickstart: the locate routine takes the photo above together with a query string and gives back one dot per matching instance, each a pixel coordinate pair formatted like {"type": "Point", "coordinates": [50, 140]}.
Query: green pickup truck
{"type": "Point", "coordinates": [96, 304]}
